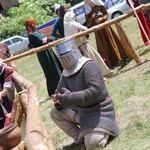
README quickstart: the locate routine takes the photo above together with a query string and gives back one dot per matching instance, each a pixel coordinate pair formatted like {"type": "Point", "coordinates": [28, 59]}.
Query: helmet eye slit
{"type": "Point", "coordinates": [68, 52]}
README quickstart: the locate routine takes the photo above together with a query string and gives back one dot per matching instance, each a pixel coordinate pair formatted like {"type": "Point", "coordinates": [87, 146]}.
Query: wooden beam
{"type": "Point", "coordinates": [93, 29]}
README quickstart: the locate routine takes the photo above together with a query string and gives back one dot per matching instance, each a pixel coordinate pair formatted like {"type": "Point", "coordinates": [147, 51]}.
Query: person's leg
{"type": "Point", "coordinates": [68, 121]}
{"type": "Point", "coordinates": [65, 119]}
{"type": "Point", "coordinates": [96, 140]}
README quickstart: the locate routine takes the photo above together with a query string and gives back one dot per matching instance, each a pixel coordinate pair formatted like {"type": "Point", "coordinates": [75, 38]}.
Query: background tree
{"type": "Point", "coordinates": [73, 2]}
{"type": "Point", "coordinates": [12, 20]}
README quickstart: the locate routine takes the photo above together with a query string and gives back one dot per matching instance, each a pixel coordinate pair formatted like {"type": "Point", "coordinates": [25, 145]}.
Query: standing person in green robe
{"type": "Point", "coordinates": [47, 58]}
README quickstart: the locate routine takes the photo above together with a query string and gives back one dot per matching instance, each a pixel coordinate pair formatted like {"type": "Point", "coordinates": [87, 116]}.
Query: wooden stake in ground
{"type": "Point", "coordinates": [126, 42]}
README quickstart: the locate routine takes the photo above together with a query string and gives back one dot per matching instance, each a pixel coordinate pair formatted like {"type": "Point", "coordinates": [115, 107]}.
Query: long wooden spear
{"type": "Point", "coordinates": [139, 21]}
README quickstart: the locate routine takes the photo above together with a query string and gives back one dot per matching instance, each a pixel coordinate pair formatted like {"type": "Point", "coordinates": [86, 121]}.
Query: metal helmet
{"type": "Point", "coordinates": [68, 53]}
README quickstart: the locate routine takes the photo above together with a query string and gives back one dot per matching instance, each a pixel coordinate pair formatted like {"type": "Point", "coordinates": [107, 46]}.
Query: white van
{"type": "Point", "coordinates": [79, 10]}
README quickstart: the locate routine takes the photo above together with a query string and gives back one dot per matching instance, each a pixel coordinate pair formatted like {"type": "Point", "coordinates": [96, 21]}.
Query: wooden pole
{"type": "Point", "coordinates": [93, 29]}
{"type": "Point", "coordinates": [24, 100]}
{"type": "Point", "coordinates": [17, 111]}
{"type": "Point", "coordinates": [46, 135]}
{"type": "Point", "coordinates": [34, 138]}
{"type": "Point", "coordinates": [127, 43]}
{"type": "Point", "coordinates": [34, 131]}
{"type": "Point", "coordinates": [139, 21]}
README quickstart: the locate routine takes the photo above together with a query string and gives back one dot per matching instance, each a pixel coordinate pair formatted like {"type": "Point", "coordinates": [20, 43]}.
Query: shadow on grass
{"type": "Point", "coordinates": [139, 47]}
{"type": "Point", "coordinates": [148, 72]}
{"type": "Point", "coordinates": [147, 50]}
{"type": "Point", "coordinates": [120, 71]}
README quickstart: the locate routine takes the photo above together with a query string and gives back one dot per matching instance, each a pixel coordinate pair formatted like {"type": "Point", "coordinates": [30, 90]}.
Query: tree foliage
{"type": "Point", "coordinates": [12, 20]}
{"type": "Point", "coordinates": [73, 2]}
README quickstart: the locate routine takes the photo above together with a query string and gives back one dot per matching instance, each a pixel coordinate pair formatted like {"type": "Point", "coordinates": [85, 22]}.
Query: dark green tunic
{"type": "Point", "coordinates": [48, 61]}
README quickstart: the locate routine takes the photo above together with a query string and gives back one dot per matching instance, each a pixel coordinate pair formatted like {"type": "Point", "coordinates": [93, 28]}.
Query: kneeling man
{"type": "Point", "coordinates": [83, 108]}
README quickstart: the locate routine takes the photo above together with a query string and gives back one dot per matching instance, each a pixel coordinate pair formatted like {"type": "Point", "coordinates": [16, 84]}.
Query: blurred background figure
{"type": "Point", "coordinates": [108, 43]}
{"type": "Point", "coordinates": [143, 21]}
{"type": "Point", "coordinates": [71, 26]}
{"type": "Point", "coordinates": [5, 84]}
{"type": "Point", "coordinates": [58, 29]}
{"type": "Point", "coordinates": [56, 7]}
{"type": "Point", "coordinates": [47, 58]}
{"type": "Point", "coordinates": [146, 12]}
{"type": "Point", "coordinates": [6, 53]}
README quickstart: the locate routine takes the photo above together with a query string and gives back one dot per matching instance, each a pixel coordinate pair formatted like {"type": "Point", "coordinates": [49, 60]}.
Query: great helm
{"type": "Point", "coordinates": [68, 53]}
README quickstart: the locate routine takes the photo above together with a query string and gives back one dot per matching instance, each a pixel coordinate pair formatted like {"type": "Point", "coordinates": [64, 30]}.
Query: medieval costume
{"type": "Point", "coordinates": [58, 29]}
{"type": "Point", "coordinates": [72, 27]}
{"type": "Point", "coordinates": [5, 102]}
{"type": "Point", "coordinates": [86, 110]}
{"type": "Point", "coordinates": [48, 61]}
{"type": "Point", "coordinates": [144, 23]}
{"type": "Point", "coordinates": [146, 12]}
{"type": "Point", "coordinates": [5, 49]}
{"type": "Point", "coordinates": [108, 43]}
{"type": "Point", "coordinates": [6, 53]}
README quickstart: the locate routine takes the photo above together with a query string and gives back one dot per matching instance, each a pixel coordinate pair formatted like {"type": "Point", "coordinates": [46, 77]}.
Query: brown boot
{"type": "Point", "coordinates": [10, 136]}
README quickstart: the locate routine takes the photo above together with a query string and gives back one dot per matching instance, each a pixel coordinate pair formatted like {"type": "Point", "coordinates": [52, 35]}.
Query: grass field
{"type": "Point", "coordinates": [129, 88]}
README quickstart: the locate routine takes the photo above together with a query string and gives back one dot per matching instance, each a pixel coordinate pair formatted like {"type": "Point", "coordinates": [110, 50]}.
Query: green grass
{"type": "Point", "coordinates": [129, 88]}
